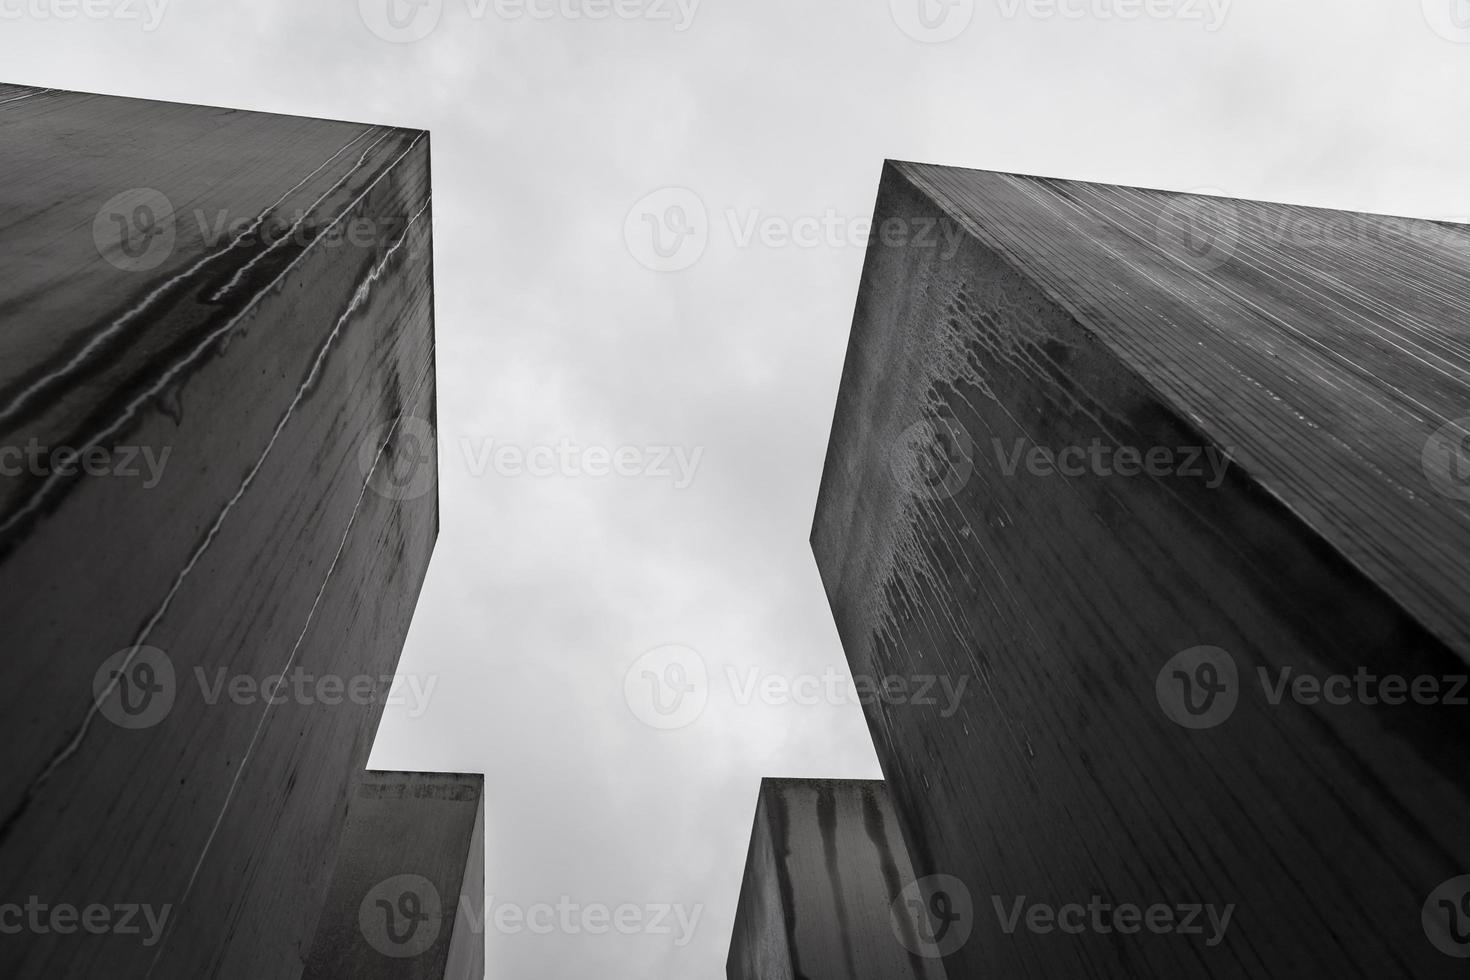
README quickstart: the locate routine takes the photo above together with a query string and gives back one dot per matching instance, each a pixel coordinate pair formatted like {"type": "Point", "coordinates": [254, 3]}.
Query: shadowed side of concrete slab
{"type": "Point", "coordinates": [218, 500]}
{"type": "Point", "coordinates": [1129, 490]}
{"type": "Point", "coordinates": [829, 893]}
{"type": "Point", "coordinates": [408, 894]}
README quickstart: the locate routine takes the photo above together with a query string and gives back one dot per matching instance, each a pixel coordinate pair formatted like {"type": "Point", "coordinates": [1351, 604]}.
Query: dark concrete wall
{"type": "Point", "coordinates": [1322, 364]}
{"type": "Point", "coordinates": [413, 848]}
{"type": "Point", "coordinates": [826, 866]}
{"type": "Point", "coordinates": [278, 537]}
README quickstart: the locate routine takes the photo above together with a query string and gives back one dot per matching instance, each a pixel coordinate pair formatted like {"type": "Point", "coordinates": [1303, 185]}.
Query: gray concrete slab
{"type": "Point", "coordinates": [407, 899]}
{"type": "Point", "coordinates": [245, 300]}
{"type": "Point", "coordinates": [1108, 464]}
{"type": "Point", "coordinates": [829, 892]}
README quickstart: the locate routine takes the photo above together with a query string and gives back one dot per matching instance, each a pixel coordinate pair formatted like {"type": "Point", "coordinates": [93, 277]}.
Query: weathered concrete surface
{"type": "Point", "coordinates": [827, 865]}
{"type": "Point", "coordinates": [272, 357]}
{"type": "Point", "coordinates": [1321, 362]}
{"type": "Point", "coordinates": [408, 895]}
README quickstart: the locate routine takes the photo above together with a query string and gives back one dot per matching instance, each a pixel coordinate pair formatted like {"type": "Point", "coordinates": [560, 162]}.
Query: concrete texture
{"type": "Point", "coordinates": [408, 895]}
{"type": "Point", "coordinates": [251, 294]}
{"type": "Point", "coordinates": [826, 867]}
{"type": "Point", "coordinates": [1320, 352]}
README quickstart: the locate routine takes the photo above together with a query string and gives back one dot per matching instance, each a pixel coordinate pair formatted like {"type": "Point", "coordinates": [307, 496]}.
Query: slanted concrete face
{"type": "Point", "coordinates": [217, 505]}
{"type": "Point", "coordinates": [829, 893]}
{"type": "Point", "coordinates": [408, 895]}
{"type": "Point", "coordinates": [1127, 490]}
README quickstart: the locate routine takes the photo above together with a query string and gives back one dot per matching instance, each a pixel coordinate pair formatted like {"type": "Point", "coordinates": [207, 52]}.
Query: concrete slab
{"type": "Point", "coordinates": [230, 316]}
{"type": "Point", "coordinates": [1111, 465]}
{"type": "Point", "coordinates": [829, 893]}
{"type": "Point", "coordinates": [407, 899]}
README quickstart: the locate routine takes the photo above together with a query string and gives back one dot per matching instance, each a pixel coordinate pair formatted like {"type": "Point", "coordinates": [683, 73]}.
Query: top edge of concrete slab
{"type": "Point", "coordinates": [39, 89]}
{"type": "Point", "coordinates": [918, 166]}
{"type": "Point", "coordinates": [1323, 352]}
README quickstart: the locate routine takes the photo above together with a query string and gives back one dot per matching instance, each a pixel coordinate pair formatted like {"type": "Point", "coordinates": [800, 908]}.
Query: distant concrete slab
{"type": "Point", "coordinates": [407, 899]}
{"type": "Point", "coordinates": [1154, 478]}
{"type": "Point", "coordinates": [829, 893]}
{"type": "Point", "coordinates": [228, 317]}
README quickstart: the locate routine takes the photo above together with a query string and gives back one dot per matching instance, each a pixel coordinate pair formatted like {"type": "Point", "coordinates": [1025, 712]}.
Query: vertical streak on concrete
{"type": "Point", "coordinates": [827, 827]}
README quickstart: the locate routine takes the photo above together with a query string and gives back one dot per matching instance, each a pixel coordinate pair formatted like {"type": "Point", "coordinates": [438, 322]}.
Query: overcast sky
{"type": "Point", "coordinates": [750, 135]}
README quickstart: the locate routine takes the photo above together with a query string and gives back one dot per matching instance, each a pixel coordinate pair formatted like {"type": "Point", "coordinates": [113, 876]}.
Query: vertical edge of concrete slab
{"type": "Point", "coordinates": [467, 942]}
